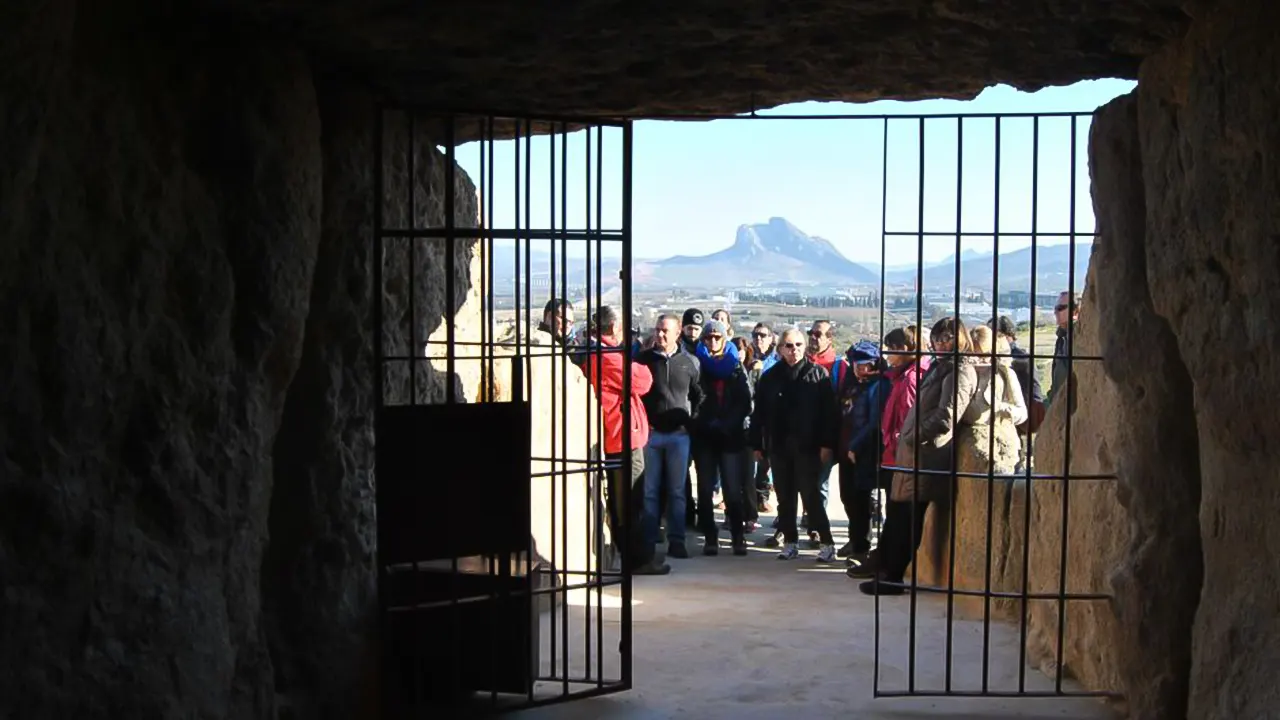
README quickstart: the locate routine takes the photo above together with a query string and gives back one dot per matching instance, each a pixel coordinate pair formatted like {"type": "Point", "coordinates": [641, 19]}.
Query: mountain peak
{"type": "Point", "coordinates": [760, 246]}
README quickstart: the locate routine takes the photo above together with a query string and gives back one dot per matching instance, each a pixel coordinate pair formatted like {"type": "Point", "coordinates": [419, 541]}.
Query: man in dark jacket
{"type": "Point", "coordinates": [690, 334]}
{"type": "Point", "coordinates": [1021, 362]}
{"type": "Point", "coordinates": [1067, 313]}
{"type": "Point", "coordinates": [797, 423]}
{"type": "Point", "coordinates": [670, 405]}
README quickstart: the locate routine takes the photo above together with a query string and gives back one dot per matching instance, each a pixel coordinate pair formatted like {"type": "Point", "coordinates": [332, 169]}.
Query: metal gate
{"type": "Point", "coordinates": [498, 582]}
{"type": "Point", "coordinates": [953, 621]}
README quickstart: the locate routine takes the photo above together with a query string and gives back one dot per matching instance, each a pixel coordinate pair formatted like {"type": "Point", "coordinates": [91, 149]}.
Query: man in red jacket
{"type": "Point", "coordinates": [606, 369]}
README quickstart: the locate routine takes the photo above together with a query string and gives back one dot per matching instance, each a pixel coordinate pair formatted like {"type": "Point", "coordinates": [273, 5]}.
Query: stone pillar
{"type": "Point", "coordinates": [1209, 138]}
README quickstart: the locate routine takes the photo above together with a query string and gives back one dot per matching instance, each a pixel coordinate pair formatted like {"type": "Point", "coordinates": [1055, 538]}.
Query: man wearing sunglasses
{"type": "Point", "coordinates": [797, 424]}
{"type": "Point", "coordinates": [1066, 312]}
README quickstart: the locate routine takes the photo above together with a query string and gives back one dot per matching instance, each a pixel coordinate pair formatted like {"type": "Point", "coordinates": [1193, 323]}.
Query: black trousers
{"type": "Point", "coordinates": [797, 473]}
{"type": "Point", "coordinates": [625, 509]}
{"type": "Point", "coordinates": [726, 467]}
{"type": "Point", "coordinates": [900, 538]}
{"type": "Point", "coordinates": [859, 505]}
{"type": "Point", "coordinates": [762, 480]}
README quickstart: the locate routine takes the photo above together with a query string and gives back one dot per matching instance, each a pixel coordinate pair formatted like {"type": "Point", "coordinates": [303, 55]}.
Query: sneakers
{"type": "Point", "coordinates": [827, 553]}
{"type": "Point", "coordinates": [678, 551]}
{"type": "Point", "coordinates": [789, 552]}
{"type": "Point", "coordinates": [845, 550]}
{"type": "Point", "coordinates": [774, 540]}
{"type": "Point", "coordinates": [815, 540]}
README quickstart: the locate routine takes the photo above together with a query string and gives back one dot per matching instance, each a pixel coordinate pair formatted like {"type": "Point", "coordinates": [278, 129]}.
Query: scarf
{"type": "Point", "coordinates": [719, 367]}
{"type": "Point", "coordinates": [826, 359]}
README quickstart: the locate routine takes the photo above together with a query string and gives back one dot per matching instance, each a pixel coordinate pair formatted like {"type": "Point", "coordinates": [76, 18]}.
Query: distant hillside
{"type": "Point", "coordinates": [776, 251]}
{"type": "Point", "coordinates": [1053, 264]}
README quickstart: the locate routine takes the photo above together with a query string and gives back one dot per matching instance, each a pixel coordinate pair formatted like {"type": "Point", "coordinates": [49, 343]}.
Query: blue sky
{"type": "Point", "coordinates": [694, 183]}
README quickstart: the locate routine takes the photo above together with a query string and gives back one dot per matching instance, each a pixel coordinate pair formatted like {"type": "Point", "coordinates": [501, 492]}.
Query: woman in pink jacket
{"type": "Point", "coordinates": [905, 371]}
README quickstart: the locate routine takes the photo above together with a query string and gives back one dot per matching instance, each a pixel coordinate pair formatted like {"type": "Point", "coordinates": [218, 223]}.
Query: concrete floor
{"type": "Point", "coordinates": [755, 637]}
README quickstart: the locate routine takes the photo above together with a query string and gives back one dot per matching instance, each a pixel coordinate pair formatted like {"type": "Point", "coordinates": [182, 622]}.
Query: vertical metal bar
{"type": "Point", "coordinates": [601, 486]}
{"type": "Point", "coordinates": [554, 479]}
{"type": "Point", "coordinates": [490, 298]}
{"type": "Point", "coordinates": [955, 446]}
{"type": "Point", "coordinates": [590, 514]}
{"type": "Point", "coordinates": [995, 314]}
{"type": "Point", "coordinates": [915, 470]}
{"type": "Point", "coordinates": [518, 280]}
{"type": "Point", "coordinates": [625, 273]}
{"type": "Point", "coordinates": [1026, 535]}
{"type": "Point", "coordinates": [1066, 446]}
{"type": "Point", "coordinates": [564, 387]}
{"type": "Point", "coordinates": [485, 249]}
{"type": "Point", "coordinates": [411, 209]}
{"type": "Point", "coordinates": [884, 214]}
{"type": "Point", "coordinates": [451, 242]}
{"type": "Point", "coordinates": [527, 377]}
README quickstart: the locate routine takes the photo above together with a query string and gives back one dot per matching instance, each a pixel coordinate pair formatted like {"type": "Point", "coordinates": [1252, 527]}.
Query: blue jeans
{"type": "Point", "coordinates": [666, 459]}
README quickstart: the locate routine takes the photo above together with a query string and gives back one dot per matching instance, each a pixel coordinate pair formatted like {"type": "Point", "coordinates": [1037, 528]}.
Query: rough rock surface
{"type": "Point", "coordinates": [1208, 132]}
{"type": "Point", "coordinates": [1096, 527]}
{"type": "Point", "coordinates": [318, 573]}
{"type": "Point", "coordinates": [186, 507]}
{"type": "Point", "coordinates": [161, 216]}
{"type": "Point", "coordinates": [610, 56]}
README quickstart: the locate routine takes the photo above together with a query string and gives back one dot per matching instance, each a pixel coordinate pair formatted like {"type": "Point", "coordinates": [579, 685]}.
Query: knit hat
{"type": "Point", "coordinates": [692, 316]}
{"type": "Point", "coordinates": [863, 351]}
{"type": "Point", "coordinates": [715, 327]}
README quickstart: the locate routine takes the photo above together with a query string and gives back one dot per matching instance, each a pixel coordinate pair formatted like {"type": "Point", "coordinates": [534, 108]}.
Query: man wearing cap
{"type": "Point", "coordinates": [691, 332]}
{"type": "Point", "coordinates": [670, 404]}
{"type": "Point", "coordinates": [862, 396]}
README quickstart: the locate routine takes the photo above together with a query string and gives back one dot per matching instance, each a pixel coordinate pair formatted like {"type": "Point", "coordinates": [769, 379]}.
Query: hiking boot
{"type": "Point", "coordinates": [867, 569]}
{"type": "Point", "coordinates": [653, 567]}
{"type": "Point", "coordinates": [711, 547]}
{"type": "Point", "coordinates": [678, 551]}
{"type": "Point", "coordinates": [789, 552]}
{"type": "Point", "coordinates": [827, 553]}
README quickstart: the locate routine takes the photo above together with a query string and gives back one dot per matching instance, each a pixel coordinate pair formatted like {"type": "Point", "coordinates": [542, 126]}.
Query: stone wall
{"type": "Point", "coordinates": [186, 496]}
{"type": "Point", "coordinates": [1096, 527]}
{"type": "Point", "coordinates": [1208, 137]}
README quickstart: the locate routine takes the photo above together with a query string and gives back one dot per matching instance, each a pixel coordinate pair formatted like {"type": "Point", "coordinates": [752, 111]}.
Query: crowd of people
{"type": "Point", "coordinates": [778, 413]}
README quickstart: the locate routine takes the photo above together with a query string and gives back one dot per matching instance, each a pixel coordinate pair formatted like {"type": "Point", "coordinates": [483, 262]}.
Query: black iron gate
{"type": "Point", "coordinates": [495, 239]}
{"type": "Point", "coordinates": [982, 591]}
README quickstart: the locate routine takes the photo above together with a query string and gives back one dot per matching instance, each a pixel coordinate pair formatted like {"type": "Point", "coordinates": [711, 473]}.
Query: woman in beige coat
{"type": "Point", "coordinates": [987, 436]}
{"type": "Point", "coordinates": [925, 443]}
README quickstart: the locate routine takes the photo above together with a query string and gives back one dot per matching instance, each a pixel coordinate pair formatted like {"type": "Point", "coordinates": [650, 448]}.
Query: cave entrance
{"type": "Point", "coordinates": [525, 257]}
{"type": "Point", "coordinates": [502, 584]}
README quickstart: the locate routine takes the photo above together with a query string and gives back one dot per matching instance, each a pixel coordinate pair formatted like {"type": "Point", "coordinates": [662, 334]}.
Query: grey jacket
{"type": "Point", "coordinates": [942, 398]}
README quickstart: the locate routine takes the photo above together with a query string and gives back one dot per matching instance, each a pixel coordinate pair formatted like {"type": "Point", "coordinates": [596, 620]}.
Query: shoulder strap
{"type": "Point", "coordinates": [835, 373]}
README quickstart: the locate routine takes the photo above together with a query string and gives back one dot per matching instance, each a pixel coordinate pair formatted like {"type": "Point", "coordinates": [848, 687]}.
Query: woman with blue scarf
{"type": "Point", "coordinates": [720, 436]}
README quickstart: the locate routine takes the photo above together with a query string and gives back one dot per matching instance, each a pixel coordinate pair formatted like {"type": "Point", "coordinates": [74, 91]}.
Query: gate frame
{"type": "Point", "coordinates": [483, 235]}
{"type": "Point", "coordinates": [1062, 597]}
